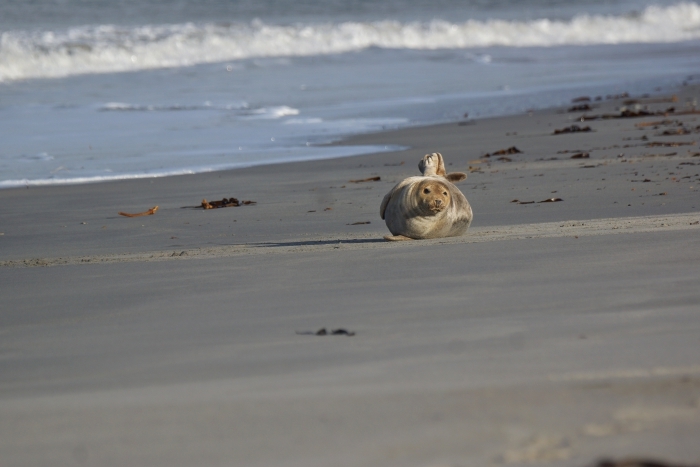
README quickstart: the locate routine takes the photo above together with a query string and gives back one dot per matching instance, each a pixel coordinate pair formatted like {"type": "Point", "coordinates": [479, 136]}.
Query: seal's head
{"type": "Point", "coordinates": [433, 196]}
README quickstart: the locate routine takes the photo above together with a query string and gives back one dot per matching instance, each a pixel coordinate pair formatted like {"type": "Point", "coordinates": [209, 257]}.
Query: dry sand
{"type": "Point", "coordinates": [554, 333]}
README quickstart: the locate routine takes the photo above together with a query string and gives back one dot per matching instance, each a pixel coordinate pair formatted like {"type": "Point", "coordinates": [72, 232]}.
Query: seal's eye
{"type": "Point", "coordinates": [426, 191]}
{"type": "Point", "coordinates": [444, 193]}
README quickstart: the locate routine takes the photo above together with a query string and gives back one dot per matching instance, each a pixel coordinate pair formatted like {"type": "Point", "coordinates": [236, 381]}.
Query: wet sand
{"type": "Point", "coordinates": [553, 333]}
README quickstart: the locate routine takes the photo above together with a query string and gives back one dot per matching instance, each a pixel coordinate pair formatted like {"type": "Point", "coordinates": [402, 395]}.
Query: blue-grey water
{"type": "Point", "coordinates": [95, 90]}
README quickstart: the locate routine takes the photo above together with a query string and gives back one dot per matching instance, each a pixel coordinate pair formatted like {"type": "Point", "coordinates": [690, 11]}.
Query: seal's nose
{"type": "Point", "coordinates": [438, 202]}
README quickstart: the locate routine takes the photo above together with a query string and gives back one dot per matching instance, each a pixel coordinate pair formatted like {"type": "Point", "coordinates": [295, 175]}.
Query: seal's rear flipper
{"type": "Point", "coordinates": [396, 238]}
{"type": "Point", "coordinates": [432, 164]}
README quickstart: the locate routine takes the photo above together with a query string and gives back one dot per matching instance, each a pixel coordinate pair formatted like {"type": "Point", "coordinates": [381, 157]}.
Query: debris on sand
{"type": "Point", "coordinates": [510, 150]}
{"type": "Point", "coordinates": [503, 152]}
{"type": "Point", "coordinates": [224, 203]}
{"type": "Point", "coordinates": [580, 108]}
{"type": "Point", "coordinates": [370, 179]}
{"type": "Point", "coordinates": [669, 144]}
{"type": "Point", "coordinates": [639, 462]}
{"type": "Point", "coordinates": [548, 200]}
{"type": "Point", "coordinates": [671, 99]}
{"type": "Point", "coordinates": [324, 332]}
{"type": "Point", "coordinates": [572, 129]}
{"type": "Point", "coordinates": [676, 132]}
{"type": "Point", "coordinates": [655, 123]}
{"type": "Point", "coordinates": [624, 95]}
{"type": "Point", "coordinates": [626, 113]}
{"type": "Point", "coordinates": [150, 212]}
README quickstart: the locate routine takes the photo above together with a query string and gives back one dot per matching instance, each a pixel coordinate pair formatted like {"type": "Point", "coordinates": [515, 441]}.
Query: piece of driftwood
{"type": "Point", "coordinates": [522, 202]}
{"type": "Point", "coordinates": [640, 462]}
{"type": "Point", "coordinates": [150, 212]}
{"type": "Point", "coordinates": [370, 179]}
{"type": "Point", "coordinates": [548, 200]}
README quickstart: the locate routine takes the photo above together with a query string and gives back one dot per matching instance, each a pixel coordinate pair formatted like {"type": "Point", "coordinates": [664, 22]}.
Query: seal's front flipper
{"type": "Point", "coordinates": [396, 238]}
{"type": "Point", "coordinates": [455, 177]}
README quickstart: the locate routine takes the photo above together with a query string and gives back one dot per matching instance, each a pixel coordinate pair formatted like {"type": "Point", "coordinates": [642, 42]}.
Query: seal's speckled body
{"type": "Point", "coordinates": [427, 206]}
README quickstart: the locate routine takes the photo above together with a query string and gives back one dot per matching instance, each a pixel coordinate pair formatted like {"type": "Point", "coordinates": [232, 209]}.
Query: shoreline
{"type": "Point", "coordinates": [340, 142]}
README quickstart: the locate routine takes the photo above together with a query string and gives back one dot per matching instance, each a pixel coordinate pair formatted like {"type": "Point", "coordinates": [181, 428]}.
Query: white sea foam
{"type": "Point", "coordinates": [123, 106]}
{"type": "Point", "coordinates": [40, 157]}
{"type": "Point", "coordinates": [303, 121]}
{"type": "Point", "coordinates": [92, 179]}
{"type": "Point", "coordinates": [273, 112]}
{"type": "Point", "coordinates": [243, 109]}
{"type": "Point", "coordinates": [109, 48]}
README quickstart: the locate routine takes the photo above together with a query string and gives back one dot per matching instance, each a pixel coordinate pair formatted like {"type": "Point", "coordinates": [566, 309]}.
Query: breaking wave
{"type": "Point", "coordinates": [109, 48]}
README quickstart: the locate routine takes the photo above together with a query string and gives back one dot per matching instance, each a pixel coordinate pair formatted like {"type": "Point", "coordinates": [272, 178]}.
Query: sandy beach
{"type": "Point", "coordinates": [563, 328]}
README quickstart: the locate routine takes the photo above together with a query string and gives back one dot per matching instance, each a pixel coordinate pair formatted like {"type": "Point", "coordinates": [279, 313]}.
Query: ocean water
{"type": "Point", "coordinates": [95, 90]}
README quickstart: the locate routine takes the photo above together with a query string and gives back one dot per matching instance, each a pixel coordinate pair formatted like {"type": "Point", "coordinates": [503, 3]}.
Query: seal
{"type": "Point", "coordinates": [427, 206]}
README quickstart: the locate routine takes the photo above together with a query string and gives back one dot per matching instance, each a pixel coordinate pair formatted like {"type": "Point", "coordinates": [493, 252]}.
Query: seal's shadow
{"type": "Point", "coordinates": [319, 242]}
